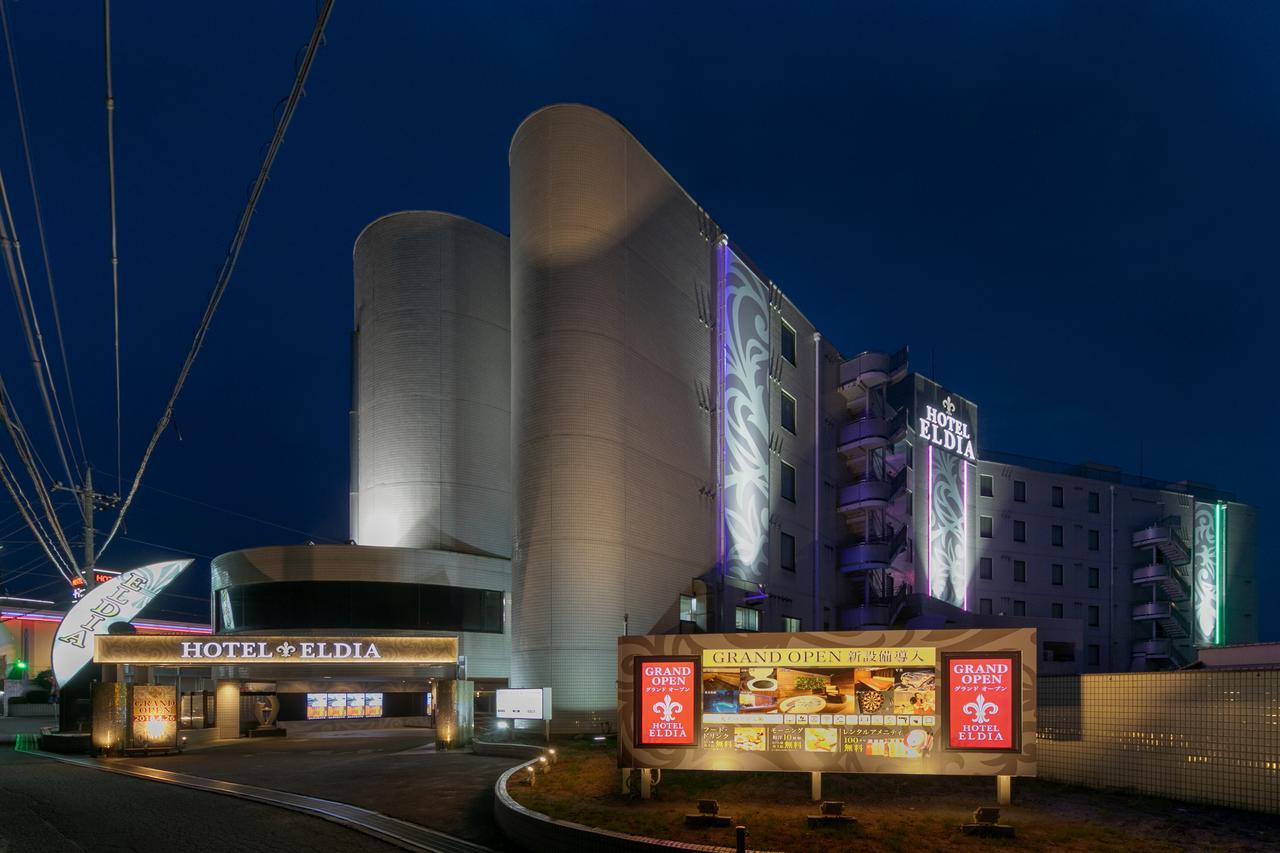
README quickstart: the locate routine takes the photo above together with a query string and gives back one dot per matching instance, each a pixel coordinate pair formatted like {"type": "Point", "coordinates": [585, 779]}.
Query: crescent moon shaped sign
{"type": "Point", "coordinates": [118, 600]}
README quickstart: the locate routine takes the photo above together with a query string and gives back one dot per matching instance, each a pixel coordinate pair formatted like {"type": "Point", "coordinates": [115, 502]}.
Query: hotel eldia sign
{"type": "Point", "coordinates": [174, 649]}
{"type": "Point", "coordinates": [667, 690]}
{"type": "Point", "coordinates": [984, 701]}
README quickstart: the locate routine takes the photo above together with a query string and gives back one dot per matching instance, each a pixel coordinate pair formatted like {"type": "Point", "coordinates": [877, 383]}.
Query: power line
{"type": "Point", "coordinates": [229, 262]}
{"type": "Point", "coordinates": [17, 271]}
{"type": "Point", "coordinates": [44, 246]}
{"type": "Point", "coordinates": [167, 548]}
{"type": "Point", "coordinates": [111, 185]}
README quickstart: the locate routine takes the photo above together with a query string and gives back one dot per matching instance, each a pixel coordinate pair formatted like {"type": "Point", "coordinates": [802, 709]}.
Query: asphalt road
{"type": "Point", "coordinates": [50, 807]}
{"type": "Point", "coordinates": [393, 771]}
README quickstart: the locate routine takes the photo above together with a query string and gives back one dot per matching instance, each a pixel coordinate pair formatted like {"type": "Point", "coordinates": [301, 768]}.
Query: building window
{"type": "Point", "coordinates": [1020, 491]}
{"type": "Point", "coordinates": [1056, 496]}
{"type": "Point", "coordinates": [986, 486]}
{"type": "Point", "coordinates": [788, 485]}
{"type": "Point", "coordinates": [788, 412]}
{"type": "Point", "coordinates": [688, 608]}
{"type": "Point", "coordinates": [1019, 608]}
{"type": "Point", "coordinates": [984, 526]}
{"type": "Point", "coordinates": [1019, 531]}
{"type": "Point", "coordinates": [1020, 571]}
{"type": "Point", "coordinates": [1093, 540]}
{"type": "Point", "coordinates": [1056, 537]}
{"type": "Point", "coordinates": [788, 342]}
{"type": "Point", "coordinates": [984, 568]}
{"type": "Point", "coordinates": [1095, 655]}
{"type": "Point", "coordinates": [790, 624]}
{"type": "Point", "coordinates": [1093, 577]}
{"type": "Point", "coordinates": [984, 606]}
{"type": "Point", "coordinates": [1095, 502]}
{"type": "Point", "coordinates": [1093, 616]}
{"type": "Point", "coordinates": [1055, 610]}
{"type": "Point", "coordinates": [788, 556]}
{"type": "Point", "coordinates": [1056, 569]}
{"type": "Point", "coordinates": [746, 619]}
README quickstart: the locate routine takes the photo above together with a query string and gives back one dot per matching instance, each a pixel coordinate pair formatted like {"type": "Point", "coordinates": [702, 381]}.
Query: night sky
{"type": "Point", "coordinates": [1067, 210]}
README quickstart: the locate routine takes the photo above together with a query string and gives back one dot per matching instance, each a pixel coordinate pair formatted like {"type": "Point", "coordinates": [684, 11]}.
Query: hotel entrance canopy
{"type": "Point", "coordinates": [204, 650]}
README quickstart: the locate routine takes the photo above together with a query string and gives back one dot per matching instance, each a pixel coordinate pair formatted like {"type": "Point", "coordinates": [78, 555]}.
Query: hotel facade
{"type": "Point", "coordinates": [612, 422]}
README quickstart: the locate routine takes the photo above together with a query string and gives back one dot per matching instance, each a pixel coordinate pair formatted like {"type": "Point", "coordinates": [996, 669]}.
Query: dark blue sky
{"type": "Point", "coordinates": [1070, 208]}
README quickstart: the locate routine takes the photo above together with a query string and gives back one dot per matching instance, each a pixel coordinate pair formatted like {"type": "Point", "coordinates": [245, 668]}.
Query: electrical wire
{"type": "Point", "coordinates": [111, 191]}
{"type": "Point", "coordinates": [15, 491]}
{"type": "Point", "coordinates": [44, 245]}
{"type": "Point", "coordinates": [229, 262]}
{"type": "Point", "coordinates": [17, 271]}
{"type": "Point", "coordinates": [23, 446]}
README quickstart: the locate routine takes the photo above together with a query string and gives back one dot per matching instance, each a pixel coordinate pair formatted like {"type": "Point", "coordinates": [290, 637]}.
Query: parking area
{"type": "Point", "coordinates": [396, 771]}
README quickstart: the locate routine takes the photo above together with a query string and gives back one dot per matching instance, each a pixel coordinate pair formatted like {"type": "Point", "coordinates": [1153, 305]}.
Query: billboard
{"type": "Point", "coordinates": [745, 460]}
{"type": "Point", "coordinates": [153, 716]}
{"type": "Point", "coordinates": [928, 701]}
{"type": "Point", "coordinates": [523, 703]}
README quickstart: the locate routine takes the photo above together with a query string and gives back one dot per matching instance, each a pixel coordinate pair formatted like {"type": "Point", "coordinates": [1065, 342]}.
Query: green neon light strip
{"type": "Point", "coordinates": [1219, 549]}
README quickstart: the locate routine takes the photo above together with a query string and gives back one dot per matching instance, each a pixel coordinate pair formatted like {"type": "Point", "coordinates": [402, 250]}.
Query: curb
{"type": "Point", "coordinates": [541, 833]}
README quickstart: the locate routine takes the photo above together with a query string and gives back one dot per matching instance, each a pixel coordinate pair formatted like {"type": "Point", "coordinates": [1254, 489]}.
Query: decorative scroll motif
{"type": "Point", "coordinates": [1205, 548]}
{"type": "Point", "coordinates": [745, 426]}
{"type": "Point", "coordinates": [948, 548]}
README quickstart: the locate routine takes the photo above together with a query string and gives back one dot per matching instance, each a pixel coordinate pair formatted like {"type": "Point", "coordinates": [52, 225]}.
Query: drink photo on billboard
{"type": "Point", "coordinates": [983, 701]}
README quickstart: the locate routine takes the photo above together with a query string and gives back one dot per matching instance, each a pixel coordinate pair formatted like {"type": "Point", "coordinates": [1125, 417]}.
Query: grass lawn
{"type": "Point", "coordinates": [908, 813]}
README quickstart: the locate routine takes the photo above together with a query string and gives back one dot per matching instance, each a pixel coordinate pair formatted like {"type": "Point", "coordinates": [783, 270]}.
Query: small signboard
{"type": "Point", "coordinates": [983, 701]}
{"type": "Point", "coordinates": [523, 703]}
{"type": "Point", "coordinates": [153, 716]}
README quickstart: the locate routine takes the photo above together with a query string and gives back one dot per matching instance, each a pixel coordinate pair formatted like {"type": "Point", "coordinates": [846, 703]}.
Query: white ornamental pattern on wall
{"type": "Point", "coordinates": [1206, 574]}
{"type": "Point", "coordinates": [746, 421]}
{"type": "Point", "coordinates": [948, 549]}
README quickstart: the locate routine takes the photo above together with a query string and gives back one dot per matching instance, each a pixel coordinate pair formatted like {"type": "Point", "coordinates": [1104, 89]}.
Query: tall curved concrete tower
{"type": "Point", "coordinates": [431, 436]}
{"type": "Point", "coordinates": [613, 450]}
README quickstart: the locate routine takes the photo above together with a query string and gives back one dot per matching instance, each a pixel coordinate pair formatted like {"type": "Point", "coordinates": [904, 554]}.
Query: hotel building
{"type": "Point", "coordinates": [612, 422]}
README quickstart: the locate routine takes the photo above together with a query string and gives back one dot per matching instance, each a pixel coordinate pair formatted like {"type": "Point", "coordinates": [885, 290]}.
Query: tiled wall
{"type": "Point", "coordinates": [1207, 736]}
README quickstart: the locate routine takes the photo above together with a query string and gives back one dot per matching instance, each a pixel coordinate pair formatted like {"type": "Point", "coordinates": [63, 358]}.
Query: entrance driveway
{"type": "Point", "coordinates": [393, 771]}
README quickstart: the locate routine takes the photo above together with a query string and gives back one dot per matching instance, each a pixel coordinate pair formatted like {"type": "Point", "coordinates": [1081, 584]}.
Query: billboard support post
{"type": "Point", "coordinates": [645, 789]}
{"type": "Point", "coordinates": [1004, 790]}
{"type": "Point", "coordinates": [815, 786]}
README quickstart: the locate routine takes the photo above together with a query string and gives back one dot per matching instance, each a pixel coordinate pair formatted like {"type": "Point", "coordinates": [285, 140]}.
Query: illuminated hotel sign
{"type": "Point", "coordinates": [119, 599]}
{"type": "Point", "coordinates": [177, 649]}
{"type": "Point", "coordinates": [956, 702]}
{"type": "Point", "coordinates": [667, 696]}
{"type": "Point", "coordinates": [983, 702]}
{"type": "Point", "coordinates": [943, 429]}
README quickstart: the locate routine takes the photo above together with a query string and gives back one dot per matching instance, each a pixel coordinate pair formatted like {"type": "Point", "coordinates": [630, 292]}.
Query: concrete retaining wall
{"type": "Point", "coordinates": [1203, 736]}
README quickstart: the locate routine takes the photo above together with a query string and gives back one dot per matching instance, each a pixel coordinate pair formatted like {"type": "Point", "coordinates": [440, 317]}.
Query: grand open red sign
{"type": "Point", "coordinates": [667, 695]}
{"type": "Point", "coordinates": [983, 701]}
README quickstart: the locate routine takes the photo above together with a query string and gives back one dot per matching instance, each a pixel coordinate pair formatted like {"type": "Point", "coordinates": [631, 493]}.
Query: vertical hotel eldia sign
{"type": "Point", "coordinates": [668, 695]}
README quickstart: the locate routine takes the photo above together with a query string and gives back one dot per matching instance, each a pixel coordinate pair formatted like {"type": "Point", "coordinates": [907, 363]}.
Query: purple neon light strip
{"type": "Point", "coordinates": [964, 526]}
{"type": "Point", "coordinates": [929, 524]}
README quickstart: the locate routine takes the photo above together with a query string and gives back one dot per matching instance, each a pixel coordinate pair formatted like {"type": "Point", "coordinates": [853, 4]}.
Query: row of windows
{"type": "Point", "coordinates": [748, 619]}
{"type": "Point", "coordinates": [986, 487]}
{"type": "Point", "coordinates": [1056, 572]}
{"type": "Point", "coordinates": [1055, 610]}
{"type": "Point", "coordinates": [1056, 534]}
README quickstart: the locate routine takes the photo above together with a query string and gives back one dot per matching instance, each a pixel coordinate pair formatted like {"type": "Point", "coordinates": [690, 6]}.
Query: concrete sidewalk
{"type": "Point", "coordinates": [10, 727]}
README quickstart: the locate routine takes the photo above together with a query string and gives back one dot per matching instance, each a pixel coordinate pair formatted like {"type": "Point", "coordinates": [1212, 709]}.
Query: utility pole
{"type": "Point", "coordinates": [89, 501]}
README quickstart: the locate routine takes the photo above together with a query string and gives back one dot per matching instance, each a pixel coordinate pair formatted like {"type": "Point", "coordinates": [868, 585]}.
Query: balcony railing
{"type": "Point", "coordinates": [1166, 576]}
{"type": "Point", "coordinates": [1157, 648]}
{"type": "Point", "coordinates": [873, 368]}
{"type": "Point", "coordinates": [1166, 539]}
